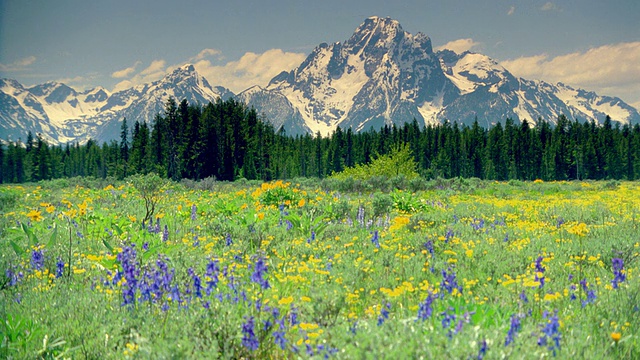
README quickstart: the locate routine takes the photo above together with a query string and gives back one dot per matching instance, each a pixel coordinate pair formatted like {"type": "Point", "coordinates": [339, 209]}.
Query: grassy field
{"type": "Point", "coordinates": [148, 269]}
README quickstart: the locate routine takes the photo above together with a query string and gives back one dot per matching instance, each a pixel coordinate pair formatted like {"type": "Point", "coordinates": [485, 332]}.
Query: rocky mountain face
{"type": "Point", "coordinates": [62, 115]}
{"type": "Point", "coordinates": [385, 75]}
{"type": "Point", "coordinates": [380, 75]}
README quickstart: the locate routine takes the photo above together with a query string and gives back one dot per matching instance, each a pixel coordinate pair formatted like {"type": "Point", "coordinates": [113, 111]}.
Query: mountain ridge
{"type": "Point", "coordinates": [381, 75]}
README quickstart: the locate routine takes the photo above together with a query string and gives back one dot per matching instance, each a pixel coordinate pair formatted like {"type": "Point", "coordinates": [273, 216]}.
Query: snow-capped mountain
{"type": "Point", "coordinates": [385, 75]}
{"type": "Point", "coordinates": [380, 75]}
{"type": "Point", "coordinates": [63, 115]}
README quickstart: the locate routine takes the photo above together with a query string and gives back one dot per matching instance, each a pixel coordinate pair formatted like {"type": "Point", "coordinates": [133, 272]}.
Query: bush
{"type": "Point", "coordinates": [398, 162]}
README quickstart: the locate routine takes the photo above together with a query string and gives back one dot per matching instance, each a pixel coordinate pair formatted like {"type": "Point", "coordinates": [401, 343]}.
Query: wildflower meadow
{"type": "Point", "coordinates": [148, 268]}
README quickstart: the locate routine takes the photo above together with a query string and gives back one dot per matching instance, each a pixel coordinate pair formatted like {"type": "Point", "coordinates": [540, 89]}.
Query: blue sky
{"type": "Point", "coordinates": [591, 44]}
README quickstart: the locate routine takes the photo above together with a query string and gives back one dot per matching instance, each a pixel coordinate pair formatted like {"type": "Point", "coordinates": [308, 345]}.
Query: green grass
{"type": "Point", "coordinates": [332, 291]}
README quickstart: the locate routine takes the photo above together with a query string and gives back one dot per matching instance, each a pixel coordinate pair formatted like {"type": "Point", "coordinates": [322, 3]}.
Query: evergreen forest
{"type": "Point", "coordinates": [226, 140]}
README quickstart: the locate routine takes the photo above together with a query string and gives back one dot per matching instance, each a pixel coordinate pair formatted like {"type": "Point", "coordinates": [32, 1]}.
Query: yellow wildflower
{"type": "Point", "coordinates": [35, 215]}
{"type": "Point", "coordinates": [616, 336]}
{"type": "Point", "coordinates": [286, 301]}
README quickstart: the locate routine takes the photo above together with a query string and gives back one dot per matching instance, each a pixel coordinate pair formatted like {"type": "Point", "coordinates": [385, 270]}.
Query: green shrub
{"type": "Point", "coordinates": [398, 162]}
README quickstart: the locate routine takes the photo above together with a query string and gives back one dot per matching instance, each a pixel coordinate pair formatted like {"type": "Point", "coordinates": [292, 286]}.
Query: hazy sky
{"type": "Point", "coordinates": [592, 44]}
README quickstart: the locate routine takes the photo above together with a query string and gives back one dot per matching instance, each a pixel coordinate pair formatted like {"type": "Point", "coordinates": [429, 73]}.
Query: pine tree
{"type": "Point", "coordinates": [124, 147]}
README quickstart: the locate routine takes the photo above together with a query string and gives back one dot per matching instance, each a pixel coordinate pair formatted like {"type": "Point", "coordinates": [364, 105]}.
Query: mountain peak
{"type": "Point", "coordinates": [187, 68]}
{"type": "Point", "coordinates": [384, 23]}
{"type": "Point", "coordinates": [376, 31]}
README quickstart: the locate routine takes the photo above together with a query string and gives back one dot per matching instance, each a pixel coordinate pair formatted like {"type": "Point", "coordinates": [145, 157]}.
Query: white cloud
{"type": "Point", "coordinates": [512, 10]}
{"type": "Point", "coordinates": [156, 70]}
{"type": "Point", "coordinates": [608, 70]}
{"type": "Point", "coordinates": [251, 69]}
{"type": "Point", "coordinates": [18, 65]}
{"type": "Point", "coordinates": [459, 46]}
{"type": "Point", "coordinates": [124, 73]}
{"type": "Point", "coordinates": [81, 82]}
{"type": "Point", "coordinates": [549, 6]}
{"type": "Point", "coordinates": [205, 54]}
{"type": "Point", "coordinates": [157, 66]}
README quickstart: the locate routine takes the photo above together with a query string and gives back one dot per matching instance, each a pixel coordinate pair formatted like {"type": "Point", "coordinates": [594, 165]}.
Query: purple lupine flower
{"type": "Point", "coordinates": [176, 296]}
{"type": "Point", "coordinates": [449, 235]}
{"type": "Point", "coordinates": [591, 298]}
{"type": "Point", "coordinates": [477, 224]}
{"type": "Point", "coordinates": [12, 276]}
{"type": "Point", "coordinates": [448, 316]}
{"type": "Point", "coordinates": [289, 225]}
{"type": "Point", "coordinates": [550, 331]}
{"type": "Point", "coordinates": [194, 211]}
{"type": "Point", "coordinates": [165, 233]}
{"type": "Point", "coordinates": [425, 310]}
{"type": "Point", "coordinates": [384, 313]}
{"type": "Point", "coordinates": [196, 242]}
{"type": "Point", "coordinates": [559, 222]}
{"type": "Point", "coordinates": [591, 295]}
{"type": "Point", "coordinates": [279, 339]}
{"type": "Point", "coordinates": [618, 274]}
{"type": "Point", "coordinates": [312, 238]}
{"type": "Point", "coordinates": [293, 316]}
{"type": "Point", "coordinates": [353, 328]}
{"type": "Point", "coordinates": [130, 272]}
{"type": "Point", "coordinates": [375, 239]}
{"type": "Point", "coordinates": [197, 283]}
{"type": "Point", "coordinates": [37, 259]}
{"type": "Point", "coordinates": [249, 339]}
{"type": "Point", "coordinates": [259, 271]}
{"type": "Point", "coordinates": [539, 266]}
{"type": "Point", "coordinates": [540, 270]}
{"type": "Point", "coordinates": [483, 350]}
{"type": "Point", "coordinates": [466, 318]}
{"type": "Point", "coordinates": [228, 241]}
{"type": "Point", "coordinates": [449, 281]}
{"type": "Point", "coordinates": [514, 328]}
{"type": "Point", "coordinates": [212, 273]}
{"type": "Point", "coordinates": [59, 268]}
{"type": "Point", "coordinates": [429, 246]}
{"type": "Point", "coordinates": [523, 297]}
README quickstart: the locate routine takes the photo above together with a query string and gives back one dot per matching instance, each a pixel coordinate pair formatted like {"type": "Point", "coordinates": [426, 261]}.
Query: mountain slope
{"type": "Point", "coordinates": [384, 75]}
{"type": "Point", "coordinates": [380, 75]}
{"type": "Point", "coordinates": [62, 115]}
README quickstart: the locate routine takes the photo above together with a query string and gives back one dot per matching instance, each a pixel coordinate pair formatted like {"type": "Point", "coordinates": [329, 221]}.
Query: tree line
{"type": "Point", "coordinates": [227, 140]}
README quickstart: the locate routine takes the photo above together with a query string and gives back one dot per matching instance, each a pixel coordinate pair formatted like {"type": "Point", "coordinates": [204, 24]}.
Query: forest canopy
{"type": "Point", "coordinates": [226, 140]}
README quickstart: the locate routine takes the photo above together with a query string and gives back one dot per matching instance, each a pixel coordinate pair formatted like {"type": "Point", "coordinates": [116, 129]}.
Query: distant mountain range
{"type": "Point", "coordinates": [380, 75]}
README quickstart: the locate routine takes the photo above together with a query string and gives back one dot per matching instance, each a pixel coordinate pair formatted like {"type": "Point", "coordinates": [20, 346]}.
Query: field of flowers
{"type": "Point", "coordinates": [148, 269]}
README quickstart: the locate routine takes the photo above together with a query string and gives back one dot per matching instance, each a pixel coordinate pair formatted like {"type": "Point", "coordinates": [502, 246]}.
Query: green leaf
{"type": "Point", "coordinates": [107, 245]}
{"type": "Point", "coordinates": [19, 251]}
{"type": "Point", "coordinates": [117, 228]}
{"type": "Point", "coordinates": [54, 235]}
{"type": "Point", "coordinates": [32, 237]}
